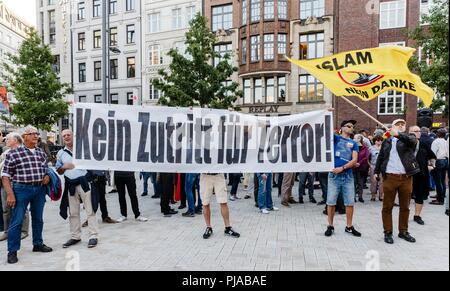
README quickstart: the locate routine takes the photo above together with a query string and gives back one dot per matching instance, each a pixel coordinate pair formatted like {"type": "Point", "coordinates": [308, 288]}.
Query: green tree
{"type": "Point", "coordinates": [432, 37]}
{"type": "Point", "coordinates": [192, 80]}
{"type": "Point", "coordinates": [39, 93]}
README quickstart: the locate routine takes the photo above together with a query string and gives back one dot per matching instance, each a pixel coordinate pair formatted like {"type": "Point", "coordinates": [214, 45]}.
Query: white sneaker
{"type": "Point", "coordinates": [274, 209]}
{"type": "Point", "coordinates": [142, 219]}
{"type": "Point", "coordinates": [121, 219]}
{"type": "Point", "coordinates": [264, 211]}
{"type": "Point", "coordinates": [232, 198]}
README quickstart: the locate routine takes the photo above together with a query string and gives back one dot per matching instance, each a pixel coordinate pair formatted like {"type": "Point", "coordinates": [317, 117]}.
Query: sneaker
{"type": "Point", "coordinates": [388, 238]}
{"type": "Point", "coordinates": [42, 249]}
{"type": "Point", "coordinates": [229, 231]}
{"type": "Point", "coordinates": [12, 258]}
{"type": "Point", "coordinates": [330, 230]}
{"type": "Point", "coordinates": [198, 211]}
{"type": "Point", "coordinates": [141, 218]}
{"type": "Point", "coordinates": [155, 196]}
{"type": "Point", "coordinates": [406, 236]}
{"type": "Point", "coordinates": [188, 214]}
{"type": "Point", "coordinates": [312, 200]}
{"type": "Point", "coordinates": [23, 235]}
{"type": "Point", "coordinates": [232, 198]}
{"type": "Point", "coordinates": [301, 201]}
{"type": "Point", "coordinates": [171, 211]}
{"type": "Point", "coordinates": [419, 220]}
{"type": "Point", "coordinates": [70, 243]}
{"type": "Point", "coordinates": [144, 194]}
{"type": "Point", "coordinates": [85, 224]}
{"type": "Point", "coordinates": [284, 203]}
{"type": "Point", "coordinates": [247, 196]}
{"type": "Point", "coordinates": [361, 200]}
{"type": "Point", "coordinates": [323, 202]}
{"type": "Point", "coordinates": [109, 220]}
{"type": "Point", "coordinates": [4, 236]}
{"type": "Point", "coordinates": [121, 219]}
{"type": "Point", "coordinates": [273, 209]}
{"type": "Point", "coordinates": [264, 211]}
{"type": "Point", "coordinates": [353, 231]}
{"type": "Point", "coordinates": [92, 243]}
{"type": "Point", "coordinates": [208, 233]}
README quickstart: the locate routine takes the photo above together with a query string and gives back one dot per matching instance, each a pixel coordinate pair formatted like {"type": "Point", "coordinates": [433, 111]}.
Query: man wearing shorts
{"type": "Point", "coordinates": [210, 183]}
{"type": "Point", "coordinates": [340, 180]}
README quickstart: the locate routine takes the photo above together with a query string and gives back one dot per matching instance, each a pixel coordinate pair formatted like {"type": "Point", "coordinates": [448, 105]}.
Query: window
{"type": "Point", "coordinates": [255, 10]}
{"type": "Point", "coordinates": [390, 102]}
{"type": "Point", "coordinates": [282, 44]}
{"type": "Point", "coordinates": [176, 18]}
{"type": "Point", "coordinates": [244, 12]}
{"type": "Point", "coordinates": [425, 7]}
{"type": "Point", "coordinates": [114, 98]}
{"type": "Point", "coordinates": [282, 89]}
{"type": "Point", "coordinates": [131, 67]}
{"type": "Point", "coordinates": [268, 46]}
{"type": "Point", "coordinates": [130, 33]}
{"type": "Point", "coordinates": [310, 8]}
{"type": "Point", "coordinates": [98, 98]}
{"type": "Point", "coordinates": [112, 6]}
{"type": "Point", "coordinates": [52, 26]}
{"type": "Point", "coordinates": [97, 71]}
{"type": "Point", "coordinates": [282, 9]}
{"type": "Point", "coordinates": [154, 22]}
{"type": "Point", "coordinates": [247, 92]}
{"type": "Point", "coordinates": [51, 2]}
{"type": "Point", "coordinates": [130, 5]}
{"type": "Point", "coordinates": [154, 93]}
{"type": "Point", "coordinates": [96, 10]}
{"type": "Point", "coordinates": [222, 17]}
{"type": "Point", "coordinates": [82, 72]}
{"type": "Point", "coordinates": [190, 14]}
{"type": "Point", "coordinates": [393, 14]}
{"type": "Point", "coordinates": [114, 64]}
{"type": "Point", "coordinates": [81, 41]}
{"type": "Point", "coordinates": [270, 90]}
{"type": "Point", "coordinates": [82, 99]}
{"type": "Point", "coordinates": [81, 11]}
{"type": "Point", "coordinates": [155, 55]}
{"type": "Point", "coordinates": [113, 36]}
{"type": "Point", "coordinates": [311, 46]}
{"type": "Point", "coordinates": [56, 64]}
{"type": "Point", "coordinates": [257, 91]}
{"type": "Point", "coordinates": [255, 48]}
{"type": "Point", "coordinates": [269, 9]}
{"type": "Point", "coordinates": [225, 84]}
{"type": "Point", "coordinates": [130, 99]}
{"type": "Point", "coordinates": [311, 89]}
{"type": "Point", "coordinates": [97, 38]}
{"type": "Point", "coordinates": [222, 50]}
{"type": "Point", "coordinates": [244, 51]}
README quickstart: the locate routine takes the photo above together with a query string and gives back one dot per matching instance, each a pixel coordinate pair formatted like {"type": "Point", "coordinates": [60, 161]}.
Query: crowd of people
{"type": "Point", "coordinates": [402, 161]}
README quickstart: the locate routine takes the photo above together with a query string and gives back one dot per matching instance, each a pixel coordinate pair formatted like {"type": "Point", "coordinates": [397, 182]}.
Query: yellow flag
{"type": "Point", "coordinates": [368, 73]}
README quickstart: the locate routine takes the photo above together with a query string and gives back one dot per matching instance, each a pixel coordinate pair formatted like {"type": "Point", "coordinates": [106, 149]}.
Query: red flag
{"type": "Point", "coordinates": [4, 98]}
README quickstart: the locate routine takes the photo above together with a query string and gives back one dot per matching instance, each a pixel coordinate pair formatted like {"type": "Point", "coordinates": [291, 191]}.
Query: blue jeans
{"type": "Point", "coordinates": [341, 184]}
{"type": "Point", "coordinates": [439, 174]}
{"type": "Point", "coordinates": [152, 176]}
{"type": "Point", "coordinates": [265, 191]}
{"type": "Point", "coordinates": [303, 177]}
{"type": "Point", "coordinates": [190, 181]}
{"type": "Point", "coordinates": [35, 196]}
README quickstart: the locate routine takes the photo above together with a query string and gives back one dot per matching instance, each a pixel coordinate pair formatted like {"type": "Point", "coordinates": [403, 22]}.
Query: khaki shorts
{"type": "Point", "coordinates": [208, 183]}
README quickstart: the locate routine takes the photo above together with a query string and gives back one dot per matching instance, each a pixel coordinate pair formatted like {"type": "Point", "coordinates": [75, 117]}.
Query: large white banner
{"type": "Point", "coordinates": [184, 140]}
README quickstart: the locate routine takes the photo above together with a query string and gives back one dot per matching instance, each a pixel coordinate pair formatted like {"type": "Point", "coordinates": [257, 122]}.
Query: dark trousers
{"type": "Point", "coordinates": [235, 179]}
{"type": "Point", "coordinates": [130, 183]}
{"type": "Point", "coordinates": [439, 178]}
{"type": "Point", "coordinates": [391, 185]}
{"type": "Point", "coordinates": [323, 180]}
{"type": "Point", "coordinates": [360, 180]}
{"type": "Point", "coordinates": [182, 178]}
{"type": "Point", "coordinates": [100, 184]}
{"type": "Point", "coordinates": [256, 187]}
{"type": "Point", "coordinates": [166, 188]}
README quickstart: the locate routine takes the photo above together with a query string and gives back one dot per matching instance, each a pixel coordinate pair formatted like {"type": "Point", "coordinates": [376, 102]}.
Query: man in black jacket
{"type": "Point", "coordinates": [397, 163]}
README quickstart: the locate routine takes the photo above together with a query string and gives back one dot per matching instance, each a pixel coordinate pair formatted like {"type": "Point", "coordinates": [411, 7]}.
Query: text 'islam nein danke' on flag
{"type": "Point", "coordinates": [368, 73]}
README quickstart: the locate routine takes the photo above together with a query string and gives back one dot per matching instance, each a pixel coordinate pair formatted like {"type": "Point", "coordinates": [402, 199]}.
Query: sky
{"type": "Point", "coordinates": [25, 9]}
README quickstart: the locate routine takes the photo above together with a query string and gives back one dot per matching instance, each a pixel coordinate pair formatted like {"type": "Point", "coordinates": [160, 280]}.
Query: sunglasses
{"type": "Point", "coordinates": [349, 126]}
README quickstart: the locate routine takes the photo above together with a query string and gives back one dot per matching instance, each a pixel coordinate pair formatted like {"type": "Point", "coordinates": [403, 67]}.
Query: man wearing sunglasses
{"type": "Point", "coordinates": [340, 180]}
{"type": "Point", "coordinates": [24, 177]}
{"type": "Point", "coordinates": [397, 163]}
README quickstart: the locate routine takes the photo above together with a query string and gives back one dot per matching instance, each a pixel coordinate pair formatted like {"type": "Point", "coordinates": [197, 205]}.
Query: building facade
{"type": "Point", "coordinates": [259, 34]}
{"type": "Point", "coordinates": [165, 23]}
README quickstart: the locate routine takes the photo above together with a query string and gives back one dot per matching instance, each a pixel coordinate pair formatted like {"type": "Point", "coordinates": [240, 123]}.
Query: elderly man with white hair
{"type": "Point", "coordinates": [24, 177]}
{"type": "Point", "coordinates": [13, 140]}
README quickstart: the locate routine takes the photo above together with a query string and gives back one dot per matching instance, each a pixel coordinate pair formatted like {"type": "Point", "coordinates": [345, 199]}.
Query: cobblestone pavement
{"type": "Point", "coordinates": [289, 239]}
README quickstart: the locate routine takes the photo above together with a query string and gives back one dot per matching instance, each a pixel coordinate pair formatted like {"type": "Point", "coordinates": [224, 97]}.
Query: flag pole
{"type": "Point", "coordinates": [364, 112]}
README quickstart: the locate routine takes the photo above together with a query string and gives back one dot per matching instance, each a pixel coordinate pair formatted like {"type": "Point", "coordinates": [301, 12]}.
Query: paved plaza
{"type": "Point", "coordinates": [289, 239]}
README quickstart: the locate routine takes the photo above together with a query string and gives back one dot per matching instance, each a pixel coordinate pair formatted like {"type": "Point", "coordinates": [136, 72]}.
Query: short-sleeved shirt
{"type": "Point", "coordinates": [23, 165]}
{"type": "Point", "coordinates": [374, 152]}
{"type": "Point", "coordinates": [343, 150]}
{"type": "Point", "coordinates": [63, 157]}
